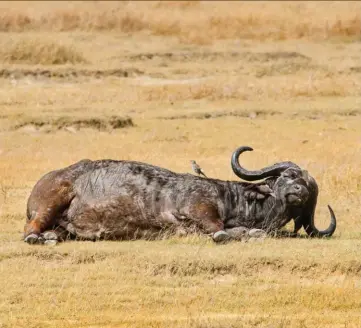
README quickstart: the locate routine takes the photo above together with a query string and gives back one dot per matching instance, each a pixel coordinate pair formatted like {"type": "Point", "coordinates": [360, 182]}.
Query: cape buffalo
{"type": "Point", "coordinates": [109, 199]}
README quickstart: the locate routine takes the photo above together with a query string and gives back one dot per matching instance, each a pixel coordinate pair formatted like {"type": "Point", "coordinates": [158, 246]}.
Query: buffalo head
{"type": "Point", "coordinates": [293, 186]}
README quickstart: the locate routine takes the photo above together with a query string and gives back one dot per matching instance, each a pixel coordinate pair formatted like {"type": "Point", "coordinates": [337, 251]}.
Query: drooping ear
{"type": "Point", "coordinates": [258, 191]}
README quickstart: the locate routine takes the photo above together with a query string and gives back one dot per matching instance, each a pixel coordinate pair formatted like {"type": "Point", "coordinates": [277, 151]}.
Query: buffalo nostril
{"type": "Point", "coordinates": [297, 187]}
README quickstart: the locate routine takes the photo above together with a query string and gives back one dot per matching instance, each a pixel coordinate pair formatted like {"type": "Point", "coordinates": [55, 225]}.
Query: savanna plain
{"type": "Point", "coordinates": [165, 83]}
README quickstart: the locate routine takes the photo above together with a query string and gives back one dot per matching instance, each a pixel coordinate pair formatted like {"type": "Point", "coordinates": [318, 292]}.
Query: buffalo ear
{"type": "Point", "coordinates": [258, 191]}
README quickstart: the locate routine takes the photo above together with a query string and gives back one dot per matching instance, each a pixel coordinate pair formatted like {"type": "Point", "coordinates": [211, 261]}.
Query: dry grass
{"type": "Point", "coordinates": [197, 288]}
{"type": "Point", "coordinates": [288, 97]}
{"type": "Point", "coordinates": [302, 85]}
{"type": "Point", "coordinates": [38, 51]}
{"type": "Point", "coordinates": [198, 22]}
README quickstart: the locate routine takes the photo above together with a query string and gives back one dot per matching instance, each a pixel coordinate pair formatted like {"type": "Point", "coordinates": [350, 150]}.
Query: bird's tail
{"type": "Point", "coordinates": [204, 175]}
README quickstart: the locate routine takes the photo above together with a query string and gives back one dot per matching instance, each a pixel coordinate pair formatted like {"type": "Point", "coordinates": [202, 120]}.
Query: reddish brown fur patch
{"type": "Point", "coordinates": [46, 200]}
{"type": "Point", "coordinates": [32, 226]}
{"type": "Point", "coordinates": [207, 216]}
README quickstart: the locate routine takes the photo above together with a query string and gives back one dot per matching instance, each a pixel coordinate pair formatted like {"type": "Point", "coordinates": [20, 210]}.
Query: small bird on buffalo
{"type": "Point", "coordinates": [197, 169]}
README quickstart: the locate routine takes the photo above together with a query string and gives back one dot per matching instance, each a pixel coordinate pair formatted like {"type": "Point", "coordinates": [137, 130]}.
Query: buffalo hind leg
{"type": "Point", "coordinates": [32, 228]}
{"type": "Point", "coordinates": [38, 223]}
{"type": "Point", "coordinates": [49, 198]}
{"type": "Point", "coordinates": [48, 237]}
{"type": "Point", "coordinates": [52, 237]}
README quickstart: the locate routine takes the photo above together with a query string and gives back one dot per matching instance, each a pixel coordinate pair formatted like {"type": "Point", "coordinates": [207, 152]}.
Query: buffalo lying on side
{"type": "Point", "coordinates": [108, 199]}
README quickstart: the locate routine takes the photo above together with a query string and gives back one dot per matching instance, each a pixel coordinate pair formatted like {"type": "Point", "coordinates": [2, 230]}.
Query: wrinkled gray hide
{"type": "Point", "coordinates": [109, 199]}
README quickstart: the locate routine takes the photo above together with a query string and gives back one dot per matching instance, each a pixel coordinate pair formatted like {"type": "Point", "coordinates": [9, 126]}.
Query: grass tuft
{"type": "Point", "coordinates": [40, 52]}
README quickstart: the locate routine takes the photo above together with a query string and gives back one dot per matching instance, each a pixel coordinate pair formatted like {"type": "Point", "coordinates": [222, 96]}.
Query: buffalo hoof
{"type": "Point", "coordinates": [238, 233]}
{"type": "Point", "coordinates": [50, 242]}
{"type": "Point", "coordinates": [257, 233]}
{"type": "Point", "coordinates": [32, 239]}
{"type": "Point", "coordinates": [50, 235]}
{"type": "Point", "coordinates": [221, 236]}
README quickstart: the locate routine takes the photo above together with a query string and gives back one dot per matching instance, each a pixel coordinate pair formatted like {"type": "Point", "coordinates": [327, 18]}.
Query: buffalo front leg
{"type": "Point", "coordinates": [207, 218]}
{"type": "Point", "coordinates": [245, 234]}
{"type": "Point", "coordinates": [238, 233]}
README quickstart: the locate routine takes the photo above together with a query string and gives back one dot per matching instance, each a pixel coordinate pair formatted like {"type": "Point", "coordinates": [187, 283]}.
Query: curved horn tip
{"type": "Point", "coordinates": [312, 231]}
{"type": "Point", "coordinates": [331, 210]}
{"type": "Point", "coordinates": [333, 221]}
{"type": "Point", "coordinates": [247, 148]}
{"type": "Point", "coordinates": [332, 214]}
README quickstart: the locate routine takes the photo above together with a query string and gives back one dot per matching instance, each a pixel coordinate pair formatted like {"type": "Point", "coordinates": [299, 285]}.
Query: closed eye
{"type": "Point", "coordinates": [291, 175]}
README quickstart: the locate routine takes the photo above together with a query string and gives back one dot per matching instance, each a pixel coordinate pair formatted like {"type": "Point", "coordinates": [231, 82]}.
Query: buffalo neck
{"type": "Point", "coordinates": [270, 212]}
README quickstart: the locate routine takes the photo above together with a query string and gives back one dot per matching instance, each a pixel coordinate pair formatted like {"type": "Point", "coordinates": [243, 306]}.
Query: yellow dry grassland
{"type": "Point", "coordinates": [165, 83]}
